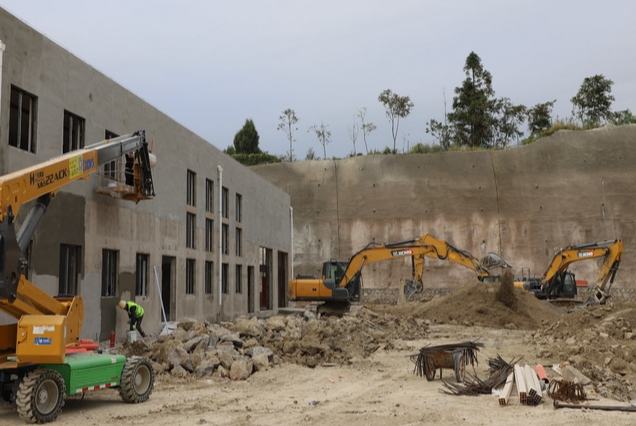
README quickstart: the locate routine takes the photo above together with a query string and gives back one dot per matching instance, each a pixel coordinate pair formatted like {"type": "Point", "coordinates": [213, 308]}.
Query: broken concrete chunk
{"type": "Point", "coordinates": [241, 369]}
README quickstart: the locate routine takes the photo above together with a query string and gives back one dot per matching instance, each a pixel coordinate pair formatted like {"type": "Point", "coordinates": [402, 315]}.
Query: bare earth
{"type": "Point", "coordinates": [379, 390]}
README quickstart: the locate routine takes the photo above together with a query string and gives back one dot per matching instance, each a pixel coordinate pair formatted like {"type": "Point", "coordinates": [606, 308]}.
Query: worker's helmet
{"type": "Point", "coordinates": [122, 304]}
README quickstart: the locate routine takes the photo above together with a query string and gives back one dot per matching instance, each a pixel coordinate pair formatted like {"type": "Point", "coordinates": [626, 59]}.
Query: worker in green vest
{"type": "Point", "coordinates": [135, 315]}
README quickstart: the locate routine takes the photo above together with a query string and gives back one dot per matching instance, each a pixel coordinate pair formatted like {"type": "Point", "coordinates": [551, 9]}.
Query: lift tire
{"type": "Point", "coordinates": [137, 380]}
{"type": "Point", "coordinates": [41, 394]}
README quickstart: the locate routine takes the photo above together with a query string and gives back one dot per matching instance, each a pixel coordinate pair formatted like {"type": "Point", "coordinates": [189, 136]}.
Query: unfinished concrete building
{"type": "Point", "coordinates": [213, 244]}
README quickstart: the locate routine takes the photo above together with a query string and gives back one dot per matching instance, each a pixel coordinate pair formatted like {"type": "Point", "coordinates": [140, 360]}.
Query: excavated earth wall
{"type": "Point", "coordinates": [523, 202]}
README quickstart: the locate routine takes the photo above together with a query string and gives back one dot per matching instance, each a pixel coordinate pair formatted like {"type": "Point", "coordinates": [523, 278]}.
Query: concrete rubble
{"type": "Point", "coordinates": [238, 349]}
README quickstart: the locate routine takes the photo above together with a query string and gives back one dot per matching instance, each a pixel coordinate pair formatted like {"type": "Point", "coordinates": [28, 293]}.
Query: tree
{"type": "Point", "coordinates": [441, 132]}
{"type": "Point", "coordinates": [311, 154]}
{"type": "Point", "coordinates": [353, 131]}
{"type": "Point", "coordinates": [367, 127]}
{"type": "Point", "coordinates": [287, 124]}
{"type": "Point", "coordinates": [397, 107]}
{"type": "Point", "coordinates": [593, 101]}
{"type": "Point", "coordinates": [323, 134]}
{"type": "Point", "coordinates": [474, 106]}
{"type": "Point", "coordinates": [510, 117]}
{"type": "Point", "coordinates": [623, 117]}
{"type": "Point", "coordinates": [540, 117]}
{"type": "Point", "coordinates": [246, 139]}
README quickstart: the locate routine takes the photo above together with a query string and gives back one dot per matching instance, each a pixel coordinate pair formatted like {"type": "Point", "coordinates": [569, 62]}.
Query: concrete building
{"type": "Point", "coordinates": [217, 234]}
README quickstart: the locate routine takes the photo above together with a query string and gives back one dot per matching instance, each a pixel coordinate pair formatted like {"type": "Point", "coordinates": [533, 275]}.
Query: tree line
{"type": "Point", "coordinates": [478, 119]}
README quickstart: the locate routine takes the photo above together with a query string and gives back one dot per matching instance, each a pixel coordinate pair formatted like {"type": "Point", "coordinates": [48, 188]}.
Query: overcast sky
{"type": "Point", "coordinates": [212, 64]}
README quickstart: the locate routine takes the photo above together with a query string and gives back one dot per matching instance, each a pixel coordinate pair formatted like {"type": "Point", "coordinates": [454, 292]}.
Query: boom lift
{"type": "Point", "coordinates": [341, 281]}
{"type": "Point", "coordinates": [557, 283]}
{"type": "Point", "coordinates": [42, 358]}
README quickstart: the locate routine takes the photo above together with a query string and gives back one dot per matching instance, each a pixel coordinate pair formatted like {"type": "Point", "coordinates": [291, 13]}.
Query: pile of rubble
{"type": "Point", "coordinates": [237, 349]}
{"type": "Point", "coordinates": [600, 341]}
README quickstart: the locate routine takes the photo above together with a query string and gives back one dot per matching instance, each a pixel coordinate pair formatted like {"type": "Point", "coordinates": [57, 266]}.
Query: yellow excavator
{"type": "Point", "coordinates": [559, 285]}
{"type": "Point", "coordinates": [340, 281]}
{"type": "Point", "coordinates": [42, 358]}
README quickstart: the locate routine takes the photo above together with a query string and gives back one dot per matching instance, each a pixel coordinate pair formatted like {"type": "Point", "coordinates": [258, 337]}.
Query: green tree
{"type": "Point", "coordinates": [623, 117]}
{"type": "Point", "coordinates": [593, 101]}
{"type": "Point", "coordinates": [397, 107]}
{"type": "Point", "coordinates": [441, 132]}
{"type": "Point", "coordinates": [366, 127]}
{"type": "Point", "coordinates": [246, 139]}
{"type": "Point", "coordinates": [323, 134]}
{"type": "Point", "coordinates": [474, 106]}
{"type": "Point", "coordinates": [287, 124]}
{"type": "Point", "coordinates": [540, 117]}
{"type": "Point", "coordinates": [509, 120]}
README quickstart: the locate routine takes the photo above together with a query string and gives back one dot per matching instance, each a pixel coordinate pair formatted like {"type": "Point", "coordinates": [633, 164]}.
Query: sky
{"type": "Point", "coordinates": [212, 64]}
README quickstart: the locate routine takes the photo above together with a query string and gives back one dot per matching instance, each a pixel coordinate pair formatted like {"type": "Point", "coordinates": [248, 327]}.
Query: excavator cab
{"type": "Point", "coordinates": [332, 273]}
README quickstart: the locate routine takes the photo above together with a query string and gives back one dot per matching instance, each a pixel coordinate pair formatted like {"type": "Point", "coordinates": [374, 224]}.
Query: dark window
{"type": "Point", "coordinates": [224, 239]}
{"type": "Point", "coordinates": [190, 275]}
{"type": "Point", "coordinates": [238, 245]}
{"type": "Point", "coordinates": [191, 188]}
{"type": "Point", "coordinates": [109, 273]}
{"type": "Point", "coordinates": [224, 200]}
{"type": "Point", "coordinates": [209, 196]}
{"type": "Point", "coordinates": [239, 279]}
{"type": "Point", "coordinates": [70, 267]}
{"type": "Point", "coordinates": [141, 275]}
{"type": "Point", "coordinates": [73, 132]}
{"type": "Point", "coordinates": [191, 226]}
{"type": "Point", "coordinates": [110, 167]}
{"type": "Point", "coordinates": [224, 273]}
{"type": "Point", "coordinates": [22, 119]}
{"type": "Point", "coordinates": [209, 234]}
{"type": "Point", "coordinates": [209, 276]}
{"type": "Point", "coordinates": [239, 202]}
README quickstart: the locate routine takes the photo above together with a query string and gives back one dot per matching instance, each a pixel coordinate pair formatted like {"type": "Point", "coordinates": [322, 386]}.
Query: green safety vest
{"type": "Point", "coordinates": [139, 311]}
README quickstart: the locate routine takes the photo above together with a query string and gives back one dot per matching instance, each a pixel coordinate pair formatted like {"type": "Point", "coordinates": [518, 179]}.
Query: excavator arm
{"type": "Point", "coordinates": [610, 251]}
{"type": "Point", "coordinates": [37, 312]}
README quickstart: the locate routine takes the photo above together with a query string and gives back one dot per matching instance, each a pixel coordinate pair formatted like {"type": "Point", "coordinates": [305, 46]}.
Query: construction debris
{"type": "Point", "coordinates": [626, 408]}
{"type": "Point", "coordinates": [600, 341]}
{"type": "Point", "coordinates": [564, 390]}
{"type": "Point", "coordinates": [237, 349]}
{"type": "Point", "coordinates": [454, 356]}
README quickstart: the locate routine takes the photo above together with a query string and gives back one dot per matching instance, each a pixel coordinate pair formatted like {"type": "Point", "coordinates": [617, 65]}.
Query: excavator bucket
{"type": "Point", "coordinates": [493, 260]}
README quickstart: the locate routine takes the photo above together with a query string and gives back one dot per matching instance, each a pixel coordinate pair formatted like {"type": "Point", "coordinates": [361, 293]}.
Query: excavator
{"type": "Point", "coordinates": [340, 281]}
{"type": "Point", "coordinates": [559, 285]}
{"type": "Point", "coordinates": [42, 358]}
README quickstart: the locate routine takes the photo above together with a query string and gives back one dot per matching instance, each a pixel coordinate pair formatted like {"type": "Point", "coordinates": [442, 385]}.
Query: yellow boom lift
{"type": "Point", "coordinates": [42, 358]}
{"type": "Point", "coordinates": [341, 281]}
{"type": "Point", "coordinates": [557, 283]}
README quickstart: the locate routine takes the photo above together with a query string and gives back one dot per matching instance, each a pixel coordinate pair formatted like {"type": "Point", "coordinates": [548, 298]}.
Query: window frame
{"type": "Point", "coordinates": [225, 200]}
{"type": "Point", "coordinates": [141, 286]}
{"type": "Point", "coordinates": [63, 275]}
{"type": "Point", "coordinates": [238, 241]}
{"type": "Point", "coordinates": [209, 195]}
{"type": "Point", "coordinates": [191, 274]}
{"type": "Point", "coordinates": [209, 277]}
{"type": "Point", "coordinates": [31, 125]}
{"type": "Point", "coordinates": [238, 277]}
{"type": "Point", "coordinates": [225, 271]}
{"type": "Point", "coordinates": [225, 239]}
{"type": "Point", "coordinates": [238, 212]}
{"type": "Point", "coordinates": [191, 188]}
{"type": "Point", "coordinates": [209, 234]}
{"type": "Point", "coordinates": [69, 131]}
{"type": "Point", "coordinates": [191, 230]}
{"type": "Point", "coordinates": [110, 272]}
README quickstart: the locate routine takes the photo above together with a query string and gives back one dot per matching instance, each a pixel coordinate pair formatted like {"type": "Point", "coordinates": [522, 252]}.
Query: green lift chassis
{"type": "Point", "coordinates": [39, 391]}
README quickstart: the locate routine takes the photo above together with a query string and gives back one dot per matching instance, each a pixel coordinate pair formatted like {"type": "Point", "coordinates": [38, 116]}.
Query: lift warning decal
{"type": "Point", "coordinates": [75, 166]}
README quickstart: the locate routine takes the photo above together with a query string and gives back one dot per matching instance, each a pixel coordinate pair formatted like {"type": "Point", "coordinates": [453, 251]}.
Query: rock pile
{"type": "Point", "coordinates": [237, 349]}
{"type": "Point", "coordinates": [600, 341]}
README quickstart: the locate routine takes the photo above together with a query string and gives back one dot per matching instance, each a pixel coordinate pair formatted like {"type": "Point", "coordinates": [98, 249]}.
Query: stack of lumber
{"type": "Point", "coordinates": [526, 380]}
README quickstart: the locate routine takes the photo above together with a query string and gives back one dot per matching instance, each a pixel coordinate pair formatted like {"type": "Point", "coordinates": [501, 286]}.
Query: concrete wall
{"type": "Point", "coordinates": [81, 216]}
{"type": "Point", "coordinates": [524, 202]}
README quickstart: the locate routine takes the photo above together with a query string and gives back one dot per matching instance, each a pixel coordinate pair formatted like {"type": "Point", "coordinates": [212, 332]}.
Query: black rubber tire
{"type": "Point", "coordinates": [134, 367]}
{"type": "Point", "coordinates": [28, 389]}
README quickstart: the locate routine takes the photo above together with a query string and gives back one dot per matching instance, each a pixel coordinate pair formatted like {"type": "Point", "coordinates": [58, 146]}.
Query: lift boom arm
{"type": "Point", "coordinates": [18, 296]}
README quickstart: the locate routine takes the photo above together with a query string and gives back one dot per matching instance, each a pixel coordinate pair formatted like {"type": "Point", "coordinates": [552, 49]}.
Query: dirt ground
{"type": "Point", "coordinates": [378, 390]}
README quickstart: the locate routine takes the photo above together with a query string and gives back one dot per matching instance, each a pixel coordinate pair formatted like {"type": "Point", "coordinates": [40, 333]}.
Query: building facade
{"type": "Point", "coordinates": [213, 244]}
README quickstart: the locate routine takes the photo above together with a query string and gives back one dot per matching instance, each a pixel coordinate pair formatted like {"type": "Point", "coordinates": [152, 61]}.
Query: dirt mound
{"type": "Point", "coordinates": [478, 305]}
{"type": "Point", "coordinates": [600, 341]}
{"type": "Point", "coordinates": [236, 349]}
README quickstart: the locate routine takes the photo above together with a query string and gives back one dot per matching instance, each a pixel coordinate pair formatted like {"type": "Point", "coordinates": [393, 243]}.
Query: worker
{"type": "Point", "coordinates": [135, 315]}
